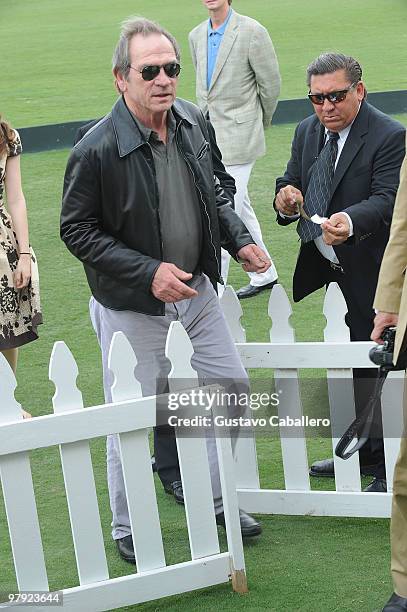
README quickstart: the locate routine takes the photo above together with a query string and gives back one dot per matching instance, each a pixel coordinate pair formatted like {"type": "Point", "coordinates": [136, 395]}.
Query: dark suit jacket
{"type": "Point", "coordinates": [364, 186]}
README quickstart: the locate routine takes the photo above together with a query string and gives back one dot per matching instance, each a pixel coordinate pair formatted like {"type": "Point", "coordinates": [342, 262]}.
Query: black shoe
{"type": "Point", "coordinates": [175, 489]}
{"type": "Point", "coordinates": [126, 549]}
{"type": "Point", "coordinates": [325, 469]}
{"type": "Point", "coordinates": [248, 525]}
{"type": "Point", "coordinates": [153, 464]}
{"type": "Point", "coordinates": [378, 485]}
{"type": "Point", "coordinates": [251, 290]}
{"type": "Point", "coordinates": [396, 603]}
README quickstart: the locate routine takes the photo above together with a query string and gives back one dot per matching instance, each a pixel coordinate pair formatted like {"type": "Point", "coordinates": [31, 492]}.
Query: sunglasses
{"type": "Point", "coordinates": [333, 96]}
{"type": "Point", "coordinates": [149, 73]}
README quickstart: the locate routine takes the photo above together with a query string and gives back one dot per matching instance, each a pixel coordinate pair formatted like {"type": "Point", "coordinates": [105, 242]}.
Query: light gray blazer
{"type": "Point", "coordinates": [245, 85]}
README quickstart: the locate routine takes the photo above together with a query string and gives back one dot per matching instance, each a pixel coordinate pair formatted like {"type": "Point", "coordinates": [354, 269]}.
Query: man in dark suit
{"type": "Point", "coordinates": [344, 168]}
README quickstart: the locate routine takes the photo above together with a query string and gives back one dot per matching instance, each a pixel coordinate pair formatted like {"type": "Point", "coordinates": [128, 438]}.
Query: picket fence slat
{"type": "Point", "coordinates": [78, 474]}
{"type": "Point", "coordinates": [141, 500]}
{"type": "Point", "coordinates": [22, 518]}
{"type": "Point", "coordinates": [231, 511]}
{"type": "Point", "coordinates": [246, 468]}
{"type": "Point", "coordinates": [192, 453]}
{"type": "Point", "coordinates": [340, 390]}
{"type": "Point", "coordinates": [342, 411]}
{"type": "Point", "coordinates": [18, 494]}
{"type": "Point", "coordinates": [233, 312]}
{"type": "Point", "coordinates": [293, 450]}
{"type": "Point", "coordinates": [136, 464]}
{"type": "Point", "coordinates": [199, 510]}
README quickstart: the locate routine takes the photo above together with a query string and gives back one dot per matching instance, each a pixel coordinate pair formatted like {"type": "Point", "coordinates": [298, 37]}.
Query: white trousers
{"type": "Point", "coordinates": [241, 174]}
{"type": "Point", "coordinates": [215, 358]}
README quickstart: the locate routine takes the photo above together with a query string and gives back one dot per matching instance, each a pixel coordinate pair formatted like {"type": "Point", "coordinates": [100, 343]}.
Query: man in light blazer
{"type": "Point", "coordinates": [237, 84]}
{"type": "Point", "coordinates": [391, 304]}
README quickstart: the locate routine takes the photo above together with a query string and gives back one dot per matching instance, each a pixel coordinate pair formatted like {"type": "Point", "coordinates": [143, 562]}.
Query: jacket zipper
{"type": "Point", "coordinates": [158, 207]}
{"type": "Point", "coordinates": [220, 279]}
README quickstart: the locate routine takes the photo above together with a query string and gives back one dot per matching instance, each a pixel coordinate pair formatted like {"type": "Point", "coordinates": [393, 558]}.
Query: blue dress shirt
{"type": "Point", "coordinates": [214, 40]}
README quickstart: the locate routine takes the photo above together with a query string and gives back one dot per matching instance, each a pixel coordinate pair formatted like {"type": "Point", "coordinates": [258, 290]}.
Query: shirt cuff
{"type": "Point", "coordinates": [283, 216]}
{"type": "Point", "coordinates": [350, 223]}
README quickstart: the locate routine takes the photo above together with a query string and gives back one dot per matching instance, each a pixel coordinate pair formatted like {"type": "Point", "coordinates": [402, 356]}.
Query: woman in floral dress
{"type": "Point", "coordinates": [20, 310]}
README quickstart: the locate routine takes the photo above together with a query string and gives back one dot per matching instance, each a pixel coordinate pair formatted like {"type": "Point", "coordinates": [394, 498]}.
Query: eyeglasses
{"type": "Point", "coordinates": [149, 73]}
{"type": "Point", "coordinates": [333, 96]}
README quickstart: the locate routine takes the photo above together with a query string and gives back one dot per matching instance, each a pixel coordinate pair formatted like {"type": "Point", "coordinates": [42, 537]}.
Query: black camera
{"type": "Point", "coordinates": [359, 430]}
{"type": "Point", "coordinates": [382, 354]}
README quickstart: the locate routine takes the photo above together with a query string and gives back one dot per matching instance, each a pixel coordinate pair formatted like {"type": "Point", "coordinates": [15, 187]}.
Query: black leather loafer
{"type": "Point", "coordinates": [325, 469]}
{"type": "Point", "coordinates": [248, 525]}
{"type": "Point", "coordinates": [378, 485]}
{"type": "Point", "coordinates": [250, 290]}
{"type": "Point", "coordinates": [126, 549]}
{"type": "Point", "coordinates": [175, 489]}
{"type": "Point", "coordinates": [396, 603]}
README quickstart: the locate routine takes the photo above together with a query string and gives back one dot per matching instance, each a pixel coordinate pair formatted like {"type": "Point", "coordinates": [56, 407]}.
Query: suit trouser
{"type": "Point", "coordinates": [241, 174]}
{"type": "Point", "coordinates": [398, 528]}
{"type": "Point", "coordinates": [360, 325]}
{"type": "Point", "coordinates": [215, 357]}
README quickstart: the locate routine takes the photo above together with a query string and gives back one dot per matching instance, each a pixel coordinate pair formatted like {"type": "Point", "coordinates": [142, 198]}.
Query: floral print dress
{"type": "Point", "coordinates": [20, 310]}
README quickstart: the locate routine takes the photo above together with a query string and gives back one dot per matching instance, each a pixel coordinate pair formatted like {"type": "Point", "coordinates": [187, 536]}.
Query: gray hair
{"type": "Point", "coordinates": [131, 27]}
{"type": "Point", "coordinates": [331, 62]}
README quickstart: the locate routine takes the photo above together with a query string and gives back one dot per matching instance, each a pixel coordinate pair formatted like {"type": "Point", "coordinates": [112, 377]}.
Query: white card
{"type": "Point", "coordinates": [317, 219]}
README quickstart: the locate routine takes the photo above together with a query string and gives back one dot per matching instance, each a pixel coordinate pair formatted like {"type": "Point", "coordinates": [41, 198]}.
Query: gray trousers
{"type": "Point", "coordinates": [215, 357]}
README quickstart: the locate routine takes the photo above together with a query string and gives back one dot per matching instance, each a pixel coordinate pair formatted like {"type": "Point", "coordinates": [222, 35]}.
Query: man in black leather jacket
{"type": "Point", "coordinates": [147, 205]}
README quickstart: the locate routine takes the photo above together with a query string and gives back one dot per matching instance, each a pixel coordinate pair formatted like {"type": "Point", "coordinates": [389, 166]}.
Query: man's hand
{"type": "Point", "coordinates": [253, 259]}
{"type": "Point", "coordinates": [383, 320]}
{"type": "Point", "coordinates": [288, 199]}
{"type": "Point", "coordinates": [167, 284]}
{"type": "Point", "coordinates": [336, 229]}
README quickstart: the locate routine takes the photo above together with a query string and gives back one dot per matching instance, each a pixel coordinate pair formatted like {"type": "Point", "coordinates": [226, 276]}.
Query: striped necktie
{"type": "Point", "coordinates": [318, 194]}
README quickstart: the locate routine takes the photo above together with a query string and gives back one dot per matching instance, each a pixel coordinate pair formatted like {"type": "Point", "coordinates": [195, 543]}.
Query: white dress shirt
{"type": "Point", "coordinates": [326, 250]}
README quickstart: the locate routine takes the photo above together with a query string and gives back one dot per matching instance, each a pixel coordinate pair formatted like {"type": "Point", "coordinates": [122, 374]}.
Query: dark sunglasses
{"type": "Point", "coordinates": [148, 73]}
{"type": "Point", "coordinates": [333, 96]}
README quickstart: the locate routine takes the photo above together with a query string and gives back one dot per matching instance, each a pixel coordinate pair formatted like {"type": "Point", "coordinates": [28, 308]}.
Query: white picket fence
{"type": "Point", "coordinates": [286, 357]}
{"type": "Point", "coordinates": [130, 416]}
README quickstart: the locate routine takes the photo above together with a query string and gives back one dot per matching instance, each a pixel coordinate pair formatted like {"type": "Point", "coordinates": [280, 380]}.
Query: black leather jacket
{"type": "Point", "coordinates": [110, 215]}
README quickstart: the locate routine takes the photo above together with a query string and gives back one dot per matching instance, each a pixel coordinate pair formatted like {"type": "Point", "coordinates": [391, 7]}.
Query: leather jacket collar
{"type": "Point", "coordinates": [127, 138]}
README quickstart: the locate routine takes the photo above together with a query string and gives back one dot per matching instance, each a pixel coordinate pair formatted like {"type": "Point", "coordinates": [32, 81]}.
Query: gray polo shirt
{"type": "Point", "coordinates": [180, 215]}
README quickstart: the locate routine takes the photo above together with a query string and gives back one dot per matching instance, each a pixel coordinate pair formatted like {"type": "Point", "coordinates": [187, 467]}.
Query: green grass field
{"type": "Point", "coordinates": [57, 58]}
{"type": "Point", "coordinates": [56, 55]}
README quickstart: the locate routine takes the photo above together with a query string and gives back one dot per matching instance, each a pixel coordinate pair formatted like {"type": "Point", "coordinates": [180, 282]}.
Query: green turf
{"type": "Point", "coordinates": [58, 54]}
